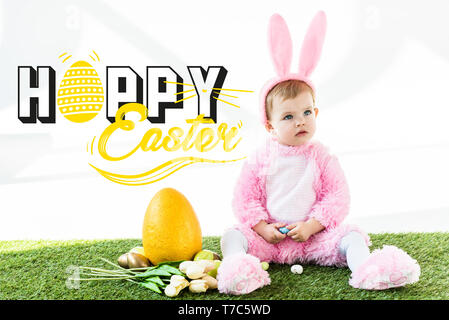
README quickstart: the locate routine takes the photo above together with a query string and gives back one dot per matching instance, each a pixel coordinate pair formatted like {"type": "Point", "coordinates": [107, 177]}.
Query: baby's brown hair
{"type": "Point", "coordinates": [288, 89]}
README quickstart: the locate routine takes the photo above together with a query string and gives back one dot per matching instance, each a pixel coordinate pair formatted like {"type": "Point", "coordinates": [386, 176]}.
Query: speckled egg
{"type": "Point", "coordinates": [80, 95]}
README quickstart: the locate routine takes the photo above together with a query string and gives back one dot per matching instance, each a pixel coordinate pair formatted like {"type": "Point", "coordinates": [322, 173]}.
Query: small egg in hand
{"type": "Point", "coordinates": [284, 230]}
{"type": "Point", "coordinates": [296, 268]}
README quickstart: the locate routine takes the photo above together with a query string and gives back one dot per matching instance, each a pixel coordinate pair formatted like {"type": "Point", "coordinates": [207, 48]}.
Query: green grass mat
{"type": "Point", "coordinates": [37, 270]}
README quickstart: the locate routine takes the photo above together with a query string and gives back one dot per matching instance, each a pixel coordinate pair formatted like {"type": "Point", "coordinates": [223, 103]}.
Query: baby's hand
{"type": "Point", "coordinates": [270, 232]}
{"type": "Point", "coordinates": [299, 231]}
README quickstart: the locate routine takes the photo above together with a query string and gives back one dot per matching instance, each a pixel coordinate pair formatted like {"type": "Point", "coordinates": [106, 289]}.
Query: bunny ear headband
{"type": "Point", "coordinates": [280, 45]}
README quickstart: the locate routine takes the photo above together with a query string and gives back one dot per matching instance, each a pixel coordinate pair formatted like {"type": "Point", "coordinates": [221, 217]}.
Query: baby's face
{"type": "Point", "coordinates": [293, 121]}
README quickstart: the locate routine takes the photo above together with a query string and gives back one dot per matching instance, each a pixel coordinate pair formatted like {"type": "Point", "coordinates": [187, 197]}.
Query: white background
{"type": "Point", "coordinates": [382, 93]}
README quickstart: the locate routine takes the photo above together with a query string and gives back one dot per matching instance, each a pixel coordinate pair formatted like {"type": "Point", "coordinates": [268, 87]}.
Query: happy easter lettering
{"type": "Point", "coordinates": [80, 97]}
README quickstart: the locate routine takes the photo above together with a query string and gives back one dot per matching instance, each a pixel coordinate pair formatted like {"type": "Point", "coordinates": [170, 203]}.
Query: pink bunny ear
{"type": "Point", "coordinates": [312, 45]}
{"type": "Point", "coordinates": [280, 44]}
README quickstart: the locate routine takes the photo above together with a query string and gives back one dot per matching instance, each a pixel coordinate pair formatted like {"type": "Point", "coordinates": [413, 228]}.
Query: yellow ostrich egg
{"type": "Point", "coordinates": [80, 95]}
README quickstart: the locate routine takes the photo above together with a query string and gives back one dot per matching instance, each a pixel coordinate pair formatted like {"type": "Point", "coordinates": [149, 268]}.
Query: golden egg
{"type": "Point", "coordinates": [171, 230]}
{"type": "Point", "coordinates": [80, 95]}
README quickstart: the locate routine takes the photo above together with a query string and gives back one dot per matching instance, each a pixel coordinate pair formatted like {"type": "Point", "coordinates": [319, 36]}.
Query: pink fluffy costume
{"type": "Point", "coordinates": [323, 195]}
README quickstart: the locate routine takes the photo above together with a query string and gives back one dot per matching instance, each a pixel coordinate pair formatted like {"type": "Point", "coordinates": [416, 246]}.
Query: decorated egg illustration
{"type": "Point", "coordinates": [80, 95]}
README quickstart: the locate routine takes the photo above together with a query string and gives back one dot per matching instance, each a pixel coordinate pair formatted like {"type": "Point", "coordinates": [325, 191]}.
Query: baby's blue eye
{"type": "Point", "coordinates": [288, 117]}
{"type": "Point", "coordinates": [307, 112]}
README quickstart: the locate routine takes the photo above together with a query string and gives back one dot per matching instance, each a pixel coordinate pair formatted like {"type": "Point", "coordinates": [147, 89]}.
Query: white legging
{"type": "Point", "coordinates": [352, 246]}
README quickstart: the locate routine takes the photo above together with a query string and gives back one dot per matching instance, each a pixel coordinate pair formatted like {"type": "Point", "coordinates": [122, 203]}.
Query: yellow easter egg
{"type": "Point", "coordinates": [80, 95]}
{"type": "Point", "coordinates": [171, 230]}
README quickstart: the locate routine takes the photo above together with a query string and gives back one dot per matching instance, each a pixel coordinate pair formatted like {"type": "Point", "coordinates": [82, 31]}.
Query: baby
{"type": "Point", "coordinates": [293, 182]}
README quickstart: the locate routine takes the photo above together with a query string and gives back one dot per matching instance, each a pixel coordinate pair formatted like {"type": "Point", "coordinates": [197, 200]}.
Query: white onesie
{"type": "Point", "coordinates": [289, 187]}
